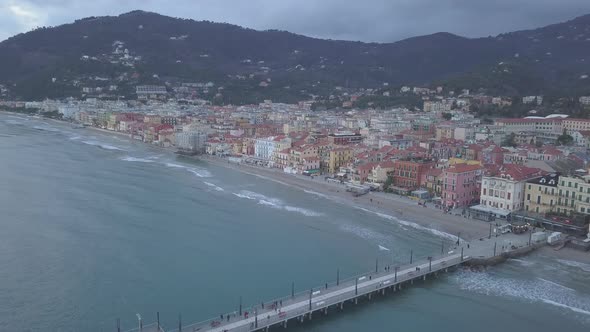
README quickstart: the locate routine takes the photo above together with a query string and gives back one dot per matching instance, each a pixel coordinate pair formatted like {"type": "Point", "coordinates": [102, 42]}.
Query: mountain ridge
{"type": "Point", "coordinates": [178, 50]}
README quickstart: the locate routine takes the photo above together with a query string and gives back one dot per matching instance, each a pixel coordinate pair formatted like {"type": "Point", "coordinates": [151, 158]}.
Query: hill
{"type": "Point", "coordinates": [246, 65]}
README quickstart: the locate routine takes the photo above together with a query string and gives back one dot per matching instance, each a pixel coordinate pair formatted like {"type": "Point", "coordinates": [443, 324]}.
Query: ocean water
{"type": "Point", "coordinates": [95, 227]}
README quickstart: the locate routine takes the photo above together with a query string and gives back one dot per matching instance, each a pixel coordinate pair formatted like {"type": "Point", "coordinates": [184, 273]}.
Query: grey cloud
{"type": "Point", "coordinates": [366, 20]}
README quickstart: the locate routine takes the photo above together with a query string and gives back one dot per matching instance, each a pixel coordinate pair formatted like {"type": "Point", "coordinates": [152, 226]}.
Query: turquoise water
{"type": "Point", "coordinates": [95, 227]}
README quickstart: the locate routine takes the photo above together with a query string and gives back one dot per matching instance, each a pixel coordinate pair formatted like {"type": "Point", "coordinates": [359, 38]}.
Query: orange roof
{"type": "Point", "coordinates": [462, 168]}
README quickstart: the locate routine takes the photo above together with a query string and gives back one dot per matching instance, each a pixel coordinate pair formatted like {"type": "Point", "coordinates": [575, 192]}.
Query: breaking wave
{"type": "Point", "coordinates": [535, 290]}
{"type": "Point", "coordinates": [196, 171]}
{"type": "Point", "coordinates": [275, 203]}
{"type": "Point", "coordinates": [213, 186]}
{"type": "Point", "coordinates": [583, 266]}
{"type": "Point", "coordinates": [411, 224]}
{"type": "Point", "coordinates": [103, 145]}
{"type": "Point", "coordinates": [316, 194]}
{"type": "Point", "coordinates": [139, 160]}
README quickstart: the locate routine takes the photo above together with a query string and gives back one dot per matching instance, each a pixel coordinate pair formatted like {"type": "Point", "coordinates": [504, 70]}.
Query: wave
{"type": "Point", "coordinates": [14, 122]}
{"type": "Point", "coordinates": [303, 211]}
{"type": "Point", "coordinates": [103, 145]}
{"type": "Point", "coordinates": [364, 233]}
{"type": "Point", "coordinates": [47, 128]}
{"type": "Point", "coordinates": [583, 266]}
{"type": "Point", "coordinates": [196, 171]}
{"type": "Point", "coordinates": [74, 138]}
{"type": "Point", "coordinates": [535, 290]}
{"type": "Point", "coordinates": [522, 262]}
{"type": "Point", "coordinates": [139, 160]}
{"type": "Point", "coordinates": [316, 194]}
{"type": "Point", "coordinates": [411, 224]}
{"type": "Point", "coordinates": [275, 203]}
{"type": "Point", "coordinates": [383, 248]}
{"type": "Point", "coordinates": [578, 310]}
{"type": "Point", "coordinates": [214, 186]}
{"type": "Point", "coordinates": [556, 284]}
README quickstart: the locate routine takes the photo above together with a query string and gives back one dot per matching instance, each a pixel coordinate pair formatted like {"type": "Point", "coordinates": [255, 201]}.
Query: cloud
{"type": "Point", "coordinates": [366, 20]}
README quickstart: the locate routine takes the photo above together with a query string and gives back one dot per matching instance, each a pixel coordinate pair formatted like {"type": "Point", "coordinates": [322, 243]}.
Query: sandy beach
{"type": "Point", "coordinates": [401, 209]}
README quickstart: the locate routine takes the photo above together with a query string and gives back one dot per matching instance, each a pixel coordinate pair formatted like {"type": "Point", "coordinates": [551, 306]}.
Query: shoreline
{"type": "Point", "coordinates": [398, 209]}
{"type": "Point", "coordinates": [401, 210]}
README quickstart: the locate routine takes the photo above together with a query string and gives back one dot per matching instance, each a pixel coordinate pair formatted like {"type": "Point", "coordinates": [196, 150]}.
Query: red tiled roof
{"type": "Point", "coordinates": [462, 168]}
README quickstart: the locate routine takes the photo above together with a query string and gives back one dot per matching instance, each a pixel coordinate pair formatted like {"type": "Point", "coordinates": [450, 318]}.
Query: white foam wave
{"type": "Point", "coordinates": [583, 266]}
{"type": "Point", "coordinates": [275, 203]}
{"type": "Point", "coordinates": [316, 193]}
{"type": "Point", "coordinates": [411, 224]}
{"type": "Point", "coordinates": [578, 310]}
{"type": "Point", "coordinates": [522, 262]}
{"type": "Point", "coordinates": [214, 186]}
{"type": "Point", "coordinates": [383, 248]}
{"type": "Point", "coordinates": [556, 284]}
{"type": "Point", "coordinates": [139, 160]}
{"type": "Point", "coordinates": [103, 145]}
{"type": "Point", "coordinates": [534, 290]}
{"type": "Point", "coordinates": [196, 171]}
{"type": "Point", "coordinates": [364, 233]}
{"type": "Point", "coordinates": [303, 211]}
{"type": "Point", "coordinates": [74, 138]}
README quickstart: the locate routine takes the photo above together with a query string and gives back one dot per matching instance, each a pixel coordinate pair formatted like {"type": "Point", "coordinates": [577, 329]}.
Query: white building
{"type": "Point", "coordinates": [504, 190]}
{"type": "Point", "coordinates": [264, 148]}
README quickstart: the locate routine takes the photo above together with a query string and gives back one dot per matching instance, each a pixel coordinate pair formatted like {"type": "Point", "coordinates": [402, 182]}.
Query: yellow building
{"type": "Point", "coordinates": [541, 194]}
{"type": "Point", "coordinates": [457, 161]}
{"type": "Point", "coordinates": [339, 157]}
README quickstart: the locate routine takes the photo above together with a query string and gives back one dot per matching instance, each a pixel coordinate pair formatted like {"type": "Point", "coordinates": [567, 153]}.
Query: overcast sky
{"type": "Point", "coordinates": [365, 20]}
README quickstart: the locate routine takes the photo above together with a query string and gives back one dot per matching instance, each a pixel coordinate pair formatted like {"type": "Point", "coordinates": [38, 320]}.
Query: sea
{"type": "Point", "coordinates": [95, 227]}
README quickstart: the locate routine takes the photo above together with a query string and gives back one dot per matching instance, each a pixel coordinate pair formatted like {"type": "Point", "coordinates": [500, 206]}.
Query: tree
{"type": "Point", "coordinates": [510, 140]}
{"type": "Point", "coordinates": [447, 116]}
{"type": "Point", "coordinates": [565, 139]}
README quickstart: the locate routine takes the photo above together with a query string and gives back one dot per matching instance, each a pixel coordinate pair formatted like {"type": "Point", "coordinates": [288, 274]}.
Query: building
{"type": "Point", "coordinates": [193, 141]}
{"type": "Point", "coordinates": [264, 148]}
{"type": "Point", "coordinates": [380, 172]}
{"type": "Point", "coordinates": [151, 92]}
{"type": "Point", "coordinates": [344, 138]}
{"type": "Point", "coordinates": [409, 172]}
{"type": "Point", "coordinates": [339, 157]}
{"type": "Point", "coordinates": [503, 189]}
{"type": "Point", "coordinates": [541, 194]}
{"type": "Point", "coordinates": [573, 195]}
{"type": "Point", "coordinates": [461, 185]}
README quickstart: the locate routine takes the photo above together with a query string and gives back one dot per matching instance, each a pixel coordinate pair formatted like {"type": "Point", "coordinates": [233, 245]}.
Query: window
{"type": "Point", "coordinates": [508, 197]}
{"type": "Point", "coordinates": [583, 209]}
{"type": "Point", "coordinates": [538, 200]}
{"type": "Point", "coordinates": [528, 197]}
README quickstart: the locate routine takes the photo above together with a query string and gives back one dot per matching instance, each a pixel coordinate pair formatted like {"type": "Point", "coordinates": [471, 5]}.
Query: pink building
{"type": "Point", "coordinates": [461, 185]}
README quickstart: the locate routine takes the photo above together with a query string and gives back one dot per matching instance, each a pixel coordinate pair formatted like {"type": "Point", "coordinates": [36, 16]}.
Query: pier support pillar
{"type": "Point", "coordinates": [383, 291]}
{"type": "Point", "coordinates": [310, 315]}
{"type": "Point", "coordinates": [285, 324]}
{"type": "Point", "coordinates": [424, 277]}
{"type": "Point", "coordinates": [341, 305]}
{"type": "Point", "coordinates": [301, 318]}
{"type": "Point", "coordinates": [356, 300]}
{"type": "Point", "coordinates": [412, 282]}
{"type": "Point", "coordinates": [326, 311]}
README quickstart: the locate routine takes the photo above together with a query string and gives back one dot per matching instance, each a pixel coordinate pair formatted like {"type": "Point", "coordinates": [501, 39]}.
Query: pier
{"type": "Point", "coordinates": [339, 294]}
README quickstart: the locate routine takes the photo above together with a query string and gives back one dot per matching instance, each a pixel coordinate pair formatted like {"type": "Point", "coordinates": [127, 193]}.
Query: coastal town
{"type": "Point", "coordinates": [521, 171]}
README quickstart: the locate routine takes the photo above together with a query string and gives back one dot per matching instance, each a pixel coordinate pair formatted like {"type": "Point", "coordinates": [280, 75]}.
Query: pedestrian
{"type": "Point", "coordinates": [281, 303]}
{"type": "Point", "coordinates": [221, 316]}
{"type": "Point", "coordinates": [467, 245]}
{"type": "Point", "coordinates": [262, 304]}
